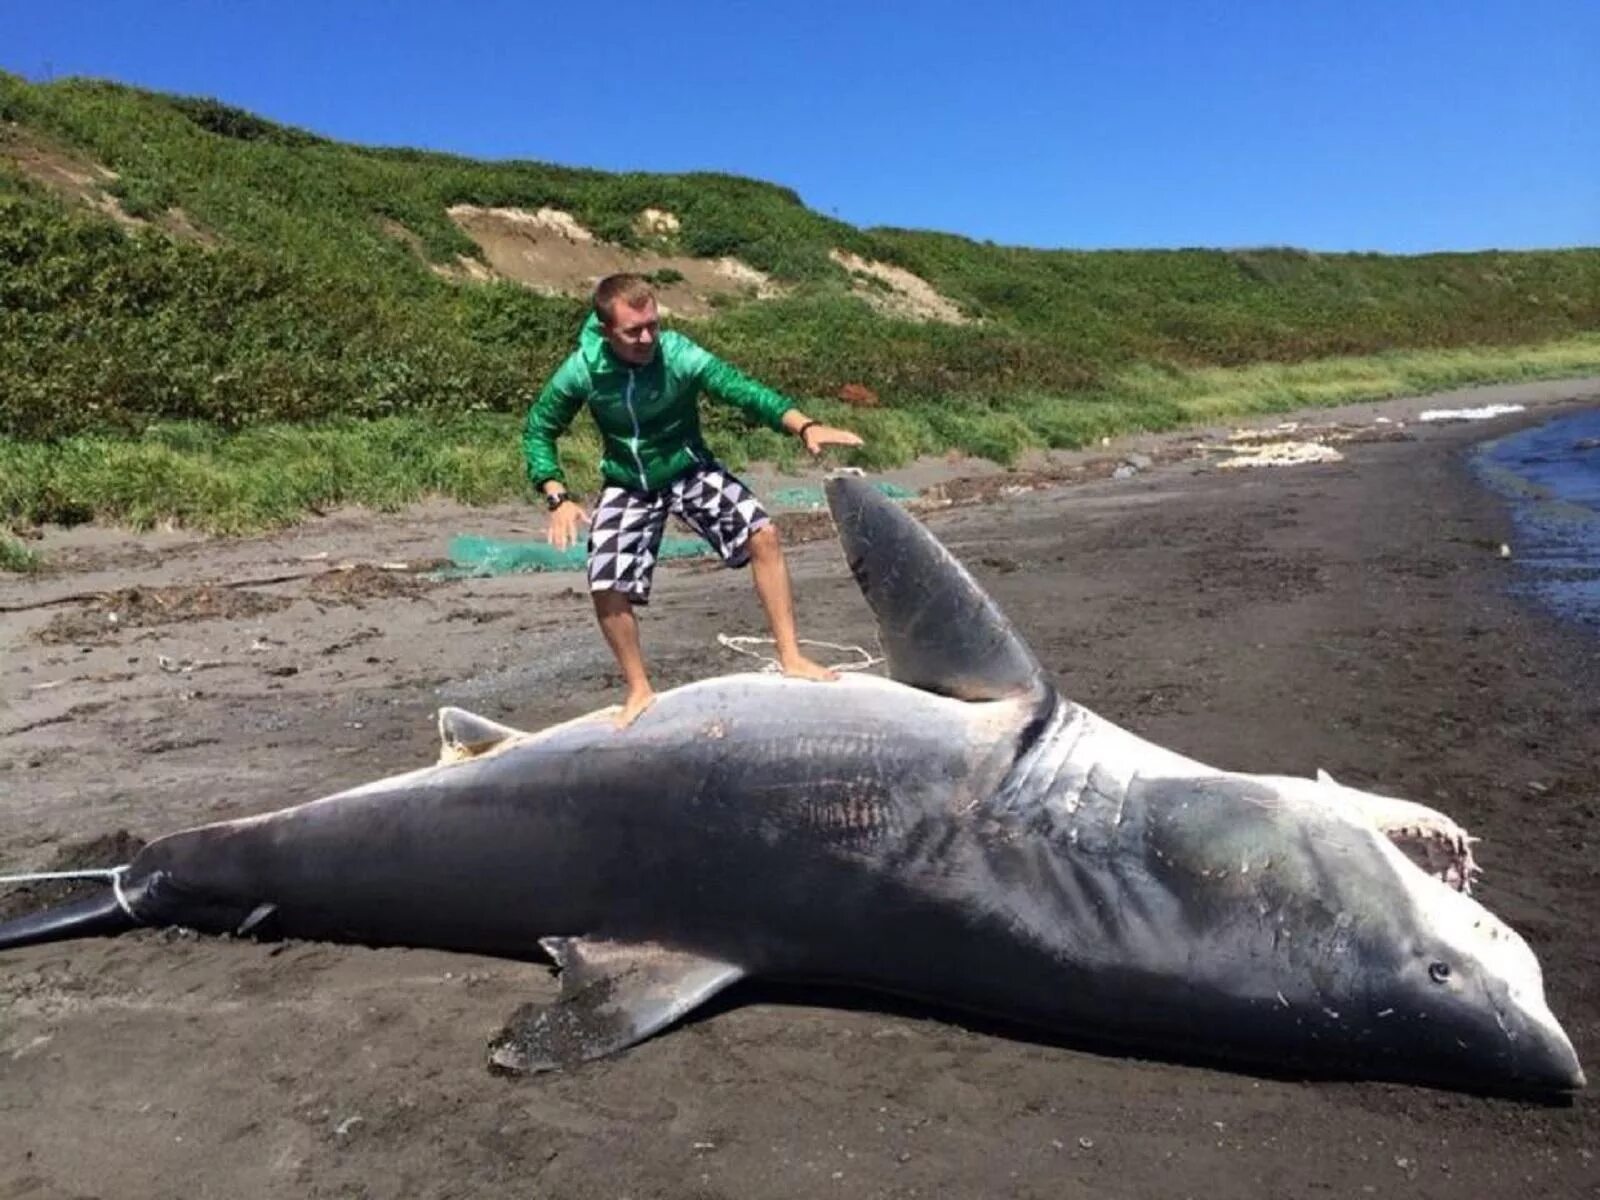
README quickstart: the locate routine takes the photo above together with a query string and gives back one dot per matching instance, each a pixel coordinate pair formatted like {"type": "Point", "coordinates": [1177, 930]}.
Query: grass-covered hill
{"type": "Point", "coordinates": [167, 259]}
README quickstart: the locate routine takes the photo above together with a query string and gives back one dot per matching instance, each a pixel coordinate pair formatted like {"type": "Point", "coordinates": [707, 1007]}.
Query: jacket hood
{"type": "Point", "coordinates": [592, 342]}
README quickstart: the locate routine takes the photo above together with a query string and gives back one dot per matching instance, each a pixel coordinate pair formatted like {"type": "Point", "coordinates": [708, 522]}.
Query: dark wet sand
{"type": "Point", "coordinates": [1351, 617]}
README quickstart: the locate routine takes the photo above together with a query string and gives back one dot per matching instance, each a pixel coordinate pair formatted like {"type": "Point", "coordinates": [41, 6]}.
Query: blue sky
{"type": "Point", "coordinates": [1401, 126]}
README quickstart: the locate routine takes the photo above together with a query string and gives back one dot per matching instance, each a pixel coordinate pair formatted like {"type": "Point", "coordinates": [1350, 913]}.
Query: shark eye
{"type": "Point", "coordinates": [1439, 972]}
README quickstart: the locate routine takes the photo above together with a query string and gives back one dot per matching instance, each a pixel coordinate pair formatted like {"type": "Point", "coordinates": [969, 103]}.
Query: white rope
{"type": "Point", "coordinates": [742, 645]}
{"type": "Point", "coordinates": [113, 875]}
{"type": "Point", "coordinates": [43, 876]}
{"type": "Point", "coordinates": [116, 890]}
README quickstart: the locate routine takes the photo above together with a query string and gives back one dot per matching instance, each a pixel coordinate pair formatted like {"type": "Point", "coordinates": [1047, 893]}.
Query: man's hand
{"type": "Point", "coordinates": [819, 437]}
{"type": "Point", "coordinates": [564, 524]}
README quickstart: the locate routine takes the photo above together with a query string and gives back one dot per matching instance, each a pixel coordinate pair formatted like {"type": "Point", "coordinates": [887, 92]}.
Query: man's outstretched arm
{"type": "Point", "coordinates": [815, 434]}
{"type": "Point", "coordinates": [732, 386]}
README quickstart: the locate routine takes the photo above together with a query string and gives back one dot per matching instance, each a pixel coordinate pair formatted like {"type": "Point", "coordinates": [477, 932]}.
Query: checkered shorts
{"type": "Point", "coordinates": [625, 533]}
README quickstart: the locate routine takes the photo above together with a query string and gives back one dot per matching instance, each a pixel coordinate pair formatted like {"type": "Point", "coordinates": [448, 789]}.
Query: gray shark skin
{"type": "Point", "coordinates": [958, 833]}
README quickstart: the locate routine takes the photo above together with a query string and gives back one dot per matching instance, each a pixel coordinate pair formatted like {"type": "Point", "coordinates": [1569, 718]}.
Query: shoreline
{"type": "Point", "coordinates": [962, 478]}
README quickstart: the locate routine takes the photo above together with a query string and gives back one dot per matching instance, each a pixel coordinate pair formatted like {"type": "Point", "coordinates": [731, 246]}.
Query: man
{"type": "Point", "coordinates": [641, 385]}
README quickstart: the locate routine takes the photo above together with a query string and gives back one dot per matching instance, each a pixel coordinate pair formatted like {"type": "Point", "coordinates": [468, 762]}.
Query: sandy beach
{"type": "Point", "coordinates": [1352, 616]}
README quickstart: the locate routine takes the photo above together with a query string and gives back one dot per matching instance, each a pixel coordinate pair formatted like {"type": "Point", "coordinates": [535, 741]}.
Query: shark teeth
{"type": "Point", "coordinates": [1439, 847]}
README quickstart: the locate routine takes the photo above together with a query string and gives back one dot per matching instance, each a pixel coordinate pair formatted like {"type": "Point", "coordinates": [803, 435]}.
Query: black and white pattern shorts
{"type": "Point", "coordinates": [625, 531]}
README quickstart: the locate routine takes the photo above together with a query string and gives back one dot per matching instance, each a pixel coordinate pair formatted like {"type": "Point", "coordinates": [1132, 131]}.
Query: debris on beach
{"type": "Point", "coordinates": [1469, 414]}
{"type": "Point", "coordinates": [1283, 454]}
{"type": "Point", "coordinates": [1296, 443]}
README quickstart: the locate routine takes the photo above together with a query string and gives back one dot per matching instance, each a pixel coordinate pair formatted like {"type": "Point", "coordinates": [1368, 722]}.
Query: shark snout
{"type": "Point", "coordinates": [1551, 1064]}
{"type": "Point", "coordinates": [1541, 1054]}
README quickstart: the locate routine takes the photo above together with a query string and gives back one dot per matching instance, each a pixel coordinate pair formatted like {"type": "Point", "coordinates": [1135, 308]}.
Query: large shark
{"type": "Point", "coordinates": [958, 833]}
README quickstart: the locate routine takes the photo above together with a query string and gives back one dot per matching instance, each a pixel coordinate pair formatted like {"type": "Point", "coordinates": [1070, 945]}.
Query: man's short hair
{"type": "Point", "coordinates": [632, 290]}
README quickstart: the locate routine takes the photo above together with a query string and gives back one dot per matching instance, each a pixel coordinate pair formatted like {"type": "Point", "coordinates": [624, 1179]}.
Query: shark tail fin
{"type": "Point", "coordinates": [100, 915]}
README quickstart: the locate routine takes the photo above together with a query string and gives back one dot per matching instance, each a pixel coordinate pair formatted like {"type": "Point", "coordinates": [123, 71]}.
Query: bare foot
{"type": "Point", "coordinates": [635, 704]}
{"type": "Point", "coordinates": [801, 667]}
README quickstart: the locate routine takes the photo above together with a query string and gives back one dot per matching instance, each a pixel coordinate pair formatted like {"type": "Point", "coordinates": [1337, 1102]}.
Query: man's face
{"type": "Point", "coordinates": [632, 331]}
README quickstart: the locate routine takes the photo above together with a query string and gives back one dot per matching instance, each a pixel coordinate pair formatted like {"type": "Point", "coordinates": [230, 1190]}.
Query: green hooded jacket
{"type": "Point", "coordinates": [649, 416]}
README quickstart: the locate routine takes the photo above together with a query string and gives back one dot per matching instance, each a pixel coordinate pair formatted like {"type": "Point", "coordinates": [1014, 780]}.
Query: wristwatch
{"type": "Point", "coordinates": [554, 500]}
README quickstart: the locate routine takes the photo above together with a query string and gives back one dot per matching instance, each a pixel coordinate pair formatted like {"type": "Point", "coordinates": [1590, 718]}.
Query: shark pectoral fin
{"type": "Point", "coordinates": [613, 994]}
{"type": "Point", "coordinates": [254, 919]}
{"type": "Point", "coordinates": [464, 734]}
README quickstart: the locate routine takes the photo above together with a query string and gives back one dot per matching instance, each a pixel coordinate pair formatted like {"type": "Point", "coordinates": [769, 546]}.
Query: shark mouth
{"type": "Point", "coordinates": [1439, 848]}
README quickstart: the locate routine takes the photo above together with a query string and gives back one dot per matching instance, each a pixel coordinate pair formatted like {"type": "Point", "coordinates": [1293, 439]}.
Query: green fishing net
{"type": "Point", "coordinates": [473, 556]}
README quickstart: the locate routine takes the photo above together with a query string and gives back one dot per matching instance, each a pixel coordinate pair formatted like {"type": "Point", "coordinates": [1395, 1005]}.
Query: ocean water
{"type": "Point", "coordinates": [1551, 475]}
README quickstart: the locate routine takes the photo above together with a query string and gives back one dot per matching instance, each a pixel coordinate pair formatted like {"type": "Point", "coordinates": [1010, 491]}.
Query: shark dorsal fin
{"type": "Point", "coordinates": [464, 734]}
{"type": "Point", "coordinates": [940, 630]}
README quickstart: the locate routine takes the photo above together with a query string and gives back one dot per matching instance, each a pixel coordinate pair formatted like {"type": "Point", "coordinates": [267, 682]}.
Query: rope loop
{"type": "Point", "coordinates": [112, 875]}
{"type": "Point", "coordinates": [741, 644]}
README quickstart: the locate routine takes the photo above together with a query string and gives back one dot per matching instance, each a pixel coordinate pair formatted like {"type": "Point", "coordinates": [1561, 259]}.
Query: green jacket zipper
{"type": "Point", "coordinates": [644, 479]}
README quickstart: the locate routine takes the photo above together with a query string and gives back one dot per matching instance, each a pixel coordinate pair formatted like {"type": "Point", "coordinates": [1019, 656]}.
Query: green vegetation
{"type": "Point", "coordinates": [16, 557]}
{"type": "Point", "coordinates": [299, 352]}
{"type": "Point", "coordinates": [268, 475]}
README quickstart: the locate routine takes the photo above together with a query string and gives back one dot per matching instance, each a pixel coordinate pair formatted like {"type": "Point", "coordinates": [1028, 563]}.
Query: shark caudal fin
{"type": "Point", "coordinates": [940, 630]}
{"type": "Point", "coordinates": [94, 916]}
